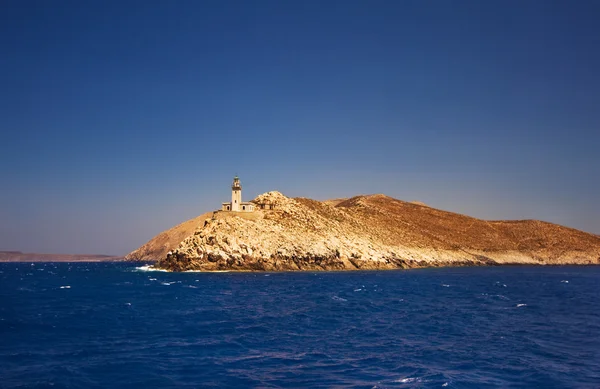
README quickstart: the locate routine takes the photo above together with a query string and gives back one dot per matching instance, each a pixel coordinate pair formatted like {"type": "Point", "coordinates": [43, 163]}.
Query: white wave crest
{"type": "Point", "coordinates": [408, 380]}
{"type": "Point", "coordinates": [149, 268]}
{"type": "Point", "coordinates": [521, 305]}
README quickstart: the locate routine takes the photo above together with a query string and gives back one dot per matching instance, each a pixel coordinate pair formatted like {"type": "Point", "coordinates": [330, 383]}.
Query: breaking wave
{"type": "Point", "coordinates": [149, 268]}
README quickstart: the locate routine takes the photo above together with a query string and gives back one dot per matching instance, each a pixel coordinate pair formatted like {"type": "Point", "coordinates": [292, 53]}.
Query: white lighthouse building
{"type": "Point", "coordinates": [236, 204]}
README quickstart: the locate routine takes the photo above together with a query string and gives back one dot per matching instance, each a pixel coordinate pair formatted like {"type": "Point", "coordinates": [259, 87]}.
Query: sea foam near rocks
{"type": "Point", "coordinates": [149, 268]}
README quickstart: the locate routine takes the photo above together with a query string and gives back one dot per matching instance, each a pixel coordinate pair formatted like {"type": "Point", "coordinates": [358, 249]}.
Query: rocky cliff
{"type": "Point", "coordinates": [363, 232]}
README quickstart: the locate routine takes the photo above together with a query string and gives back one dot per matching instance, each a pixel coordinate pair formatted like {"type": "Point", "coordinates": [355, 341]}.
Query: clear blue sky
{"type": "Point", "coordinates": [120, 119]}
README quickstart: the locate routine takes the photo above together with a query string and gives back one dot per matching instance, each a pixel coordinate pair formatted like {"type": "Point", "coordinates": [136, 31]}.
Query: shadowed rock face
{"type": "Point", "coordinates": [363, 232]}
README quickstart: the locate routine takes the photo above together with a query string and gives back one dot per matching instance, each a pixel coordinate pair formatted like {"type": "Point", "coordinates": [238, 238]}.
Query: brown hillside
{"type": "Point", "coordinates": [334, 202]}
{"type": "Point", "coordinates": [397, 222]}
{"type": "Point", "coordinates": [158, 246]}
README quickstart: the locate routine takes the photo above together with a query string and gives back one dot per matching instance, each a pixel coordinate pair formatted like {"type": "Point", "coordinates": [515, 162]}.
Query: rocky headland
{"type": "Point", "coordinates": [363, 232]}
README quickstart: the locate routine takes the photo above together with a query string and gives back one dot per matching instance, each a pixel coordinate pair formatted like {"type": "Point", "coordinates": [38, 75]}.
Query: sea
{"type": "Point", "coordinates": [121, 325]}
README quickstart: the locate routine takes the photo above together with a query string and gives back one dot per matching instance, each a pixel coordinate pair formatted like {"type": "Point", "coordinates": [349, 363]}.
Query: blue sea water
{"type": "Point", "coordinates": [114, 325]}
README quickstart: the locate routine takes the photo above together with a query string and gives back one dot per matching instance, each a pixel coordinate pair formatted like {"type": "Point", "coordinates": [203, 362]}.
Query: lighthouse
{"type": "Point", "coordinates": [236, 194]}
{"type": "Point", "coordinates": [236, 204]}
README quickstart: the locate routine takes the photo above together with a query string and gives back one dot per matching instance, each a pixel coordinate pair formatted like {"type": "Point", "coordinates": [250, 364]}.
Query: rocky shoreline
{"type": "Point", "coordinates": [179, 262]}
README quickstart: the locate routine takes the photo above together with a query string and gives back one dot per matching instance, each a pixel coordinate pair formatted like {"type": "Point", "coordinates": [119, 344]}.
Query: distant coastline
{"type": "Point", "coordinates": [18, 256]}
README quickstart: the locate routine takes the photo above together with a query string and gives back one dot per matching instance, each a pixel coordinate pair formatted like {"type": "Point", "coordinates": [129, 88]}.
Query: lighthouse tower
{"type": "Point", "coordinates": [236, 204]}
{"type": "Point", "coordinates": [236, 194]}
